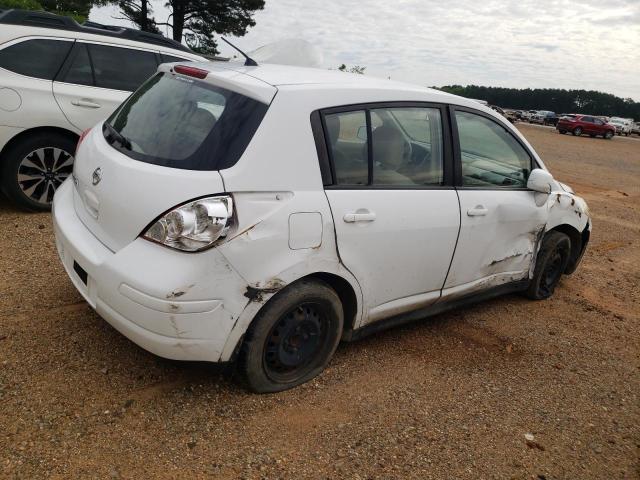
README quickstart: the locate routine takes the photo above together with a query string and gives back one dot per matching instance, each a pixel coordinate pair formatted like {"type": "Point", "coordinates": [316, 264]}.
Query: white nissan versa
{"type": "Point", "coordinates": [263, 213]}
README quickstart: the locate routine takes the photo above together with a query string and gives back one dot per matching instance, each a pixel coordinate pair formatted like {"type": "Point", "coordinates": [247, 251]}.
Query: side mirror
{"type": "Point", "coordinates": [540, 181]}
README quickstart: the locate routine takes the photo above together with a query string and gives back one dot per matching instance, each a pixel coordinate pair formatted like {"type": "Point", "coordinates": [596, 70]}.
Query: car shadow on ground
{"type": "Point", "coordinates": [438, 337]}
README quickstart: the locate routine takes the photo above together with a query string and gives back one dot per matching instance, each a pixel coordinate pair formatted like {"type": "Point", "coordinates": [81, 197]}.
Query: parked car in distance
{"type": "Point", "coordinates": [636, 128]}
{"type": "Point", "coordinates": [579, 124]}
{"type": "Point", "coordinates": [260, 227]}
{"type": "Point", "coordinates": [60, 78]}
{"type": "Point", "coordinates": [528, 114]}
{"type": "Point", "coordinates": [545, 117]}
{"type": "Point", "coordinates": [624, 126]}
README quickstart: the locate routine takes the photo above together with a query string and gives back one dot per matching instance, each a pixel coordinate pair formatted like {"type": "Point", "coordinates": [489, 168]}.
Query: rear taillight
{"type": "Point", "coordinates": [191, 71]}
{"type": "Point", "coordinates": [82, 135]}
{"type": "Point", "coordinates": [195, 226]}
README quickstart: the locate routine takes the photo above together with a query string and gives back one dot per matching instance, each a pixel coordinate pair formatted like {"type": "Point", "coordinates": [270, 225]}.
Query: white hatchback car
{"type": "Point", "coordinates": [58, 78]}
{"type": "Point", "coordinates": [263, 213]}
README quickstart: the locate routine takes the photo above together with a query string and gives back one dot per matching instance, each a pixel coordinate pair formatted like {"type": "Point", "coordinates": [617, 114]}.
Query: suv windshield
{"type": "Point", "coordinates": [179, 122]}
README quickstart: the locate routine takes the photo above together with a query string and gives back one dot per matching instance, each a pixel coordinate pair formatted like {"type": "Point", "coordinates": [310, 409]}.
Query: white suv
{"type": "Point", "coordinates": [265, 212]}
{"type": "Point", "coordinates": [624, 126]}
{"type": "Point", "coordinates": [58, 78]}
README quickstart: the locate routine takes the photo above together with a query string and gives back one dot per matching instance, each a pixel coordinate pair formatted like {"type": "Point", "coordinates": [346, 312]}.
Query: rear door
{"type": "Point", "coordinates": [97, 78]}
{"type": "Point", "coordinates": [501, 222]}
{"type": "Point", "coordinates": [395, 211]}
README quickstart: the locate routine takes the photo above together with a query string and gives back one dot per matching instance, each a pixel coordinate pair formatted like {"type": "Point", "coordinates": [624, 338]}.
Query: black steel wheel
{"type": "Point", "coordinates": [551, 263]}
{"type": "Point", "coordinates": [35, 167]}
{"type": "Point", "coordinates": [294, 341]}
{"type": "Point", "coordinates": [292, 338]}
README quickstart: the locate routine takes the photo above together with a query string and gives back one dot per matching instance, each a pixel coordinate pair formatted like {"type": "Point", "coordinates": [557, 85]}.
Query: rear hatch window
{"type": "Point", "coordinates": [180, 122]}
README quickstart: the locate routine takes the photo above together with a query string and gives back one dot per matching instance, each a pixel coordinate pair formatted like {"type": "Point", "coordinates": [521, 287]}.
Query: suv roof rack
{"type": "Point", "coordinates": [50, 20]}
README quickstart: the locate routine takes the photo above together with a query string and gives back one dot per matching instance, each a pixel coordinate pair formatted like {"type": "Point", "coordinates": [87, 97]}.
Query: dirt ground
{"type": "Point", "coordinates": [450, 397]}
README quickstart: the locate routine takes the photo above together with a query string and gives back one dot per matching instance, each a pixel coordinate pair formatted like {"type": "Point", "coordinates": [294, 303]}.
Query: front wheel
{"type": "Point", "coordinates": [577, 131]}
{"type": "Point", "coordinates": [608, 135]}
{"type": "Point", "coordinates": [293, 337]}
{"type": "Point", "coordinates": [551, 262]}
{"type": "Point", "coordinates": [34, 168]}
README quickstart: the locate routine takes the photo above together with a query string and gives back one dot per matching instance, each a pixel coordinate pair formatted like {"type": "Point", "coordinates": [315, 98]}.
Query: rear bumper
{"type": "Point", "coordinates": [176, 305]}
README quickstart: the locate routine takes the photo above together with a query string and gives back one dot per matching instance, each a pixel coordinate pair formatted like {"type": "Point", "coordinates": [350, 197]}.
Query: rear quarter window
{"type": "Point", "coordinates": [196, 126]}
{"type": "Point", "coordinates": [39, 58]}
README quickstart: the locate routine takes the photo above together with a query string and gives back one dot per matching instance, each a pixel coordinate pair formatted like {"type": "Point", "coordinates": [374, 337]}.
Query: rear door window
{"type": "Point", "coordinates": [80, 71]}
{"type": "Point", "coordinates": [405, 148]}
{"type": "Point", "coordinates": [194, 125]}
{"type": "Point", "coordinates": [39, 58]}
{"type": "Point", "coordinates": [121, 68]}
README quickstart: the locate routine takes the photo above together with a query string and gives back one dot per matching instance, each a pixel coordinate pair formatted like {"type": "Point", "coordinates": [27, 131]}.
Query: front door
{"type": "Point", "coordinates": [396, 220]}
{"type": "Point", "coordinates": [501, 223]}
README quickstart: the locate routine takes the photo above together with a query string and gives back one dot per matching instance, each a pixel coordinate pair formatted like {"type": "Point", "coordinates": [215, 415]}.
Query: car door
{"type": "Point", "coordinates": [97, 78]}
{"type": "Point", "coordinates": [395, 212]}
{"type": "Point", "coordinates": [598, 126]}
{"type": "Point", "coordinates": [588, 125]}
{"type": "Point", "coordinates": [501, 222]}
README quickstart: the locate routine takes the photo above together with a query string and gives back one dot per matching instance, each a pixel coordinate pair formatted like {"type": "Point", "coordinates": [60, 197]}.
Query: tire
{"type": "Point", "coordinates": [293, 337]}
{"type": "Point", "coordinates": [577, 131]}
{"type": "Point", "coordinates": [551, 262]}
{"type": "Point", "coordinates": [608, 135]}
{"type": "Point", "coordinates": [35, 167]}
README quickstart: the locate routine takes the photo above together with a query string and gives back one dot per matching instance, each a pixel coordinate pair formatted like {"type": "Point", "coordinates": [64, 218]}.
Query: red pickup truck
{"type": "Point", "coordinates": [579, 124]}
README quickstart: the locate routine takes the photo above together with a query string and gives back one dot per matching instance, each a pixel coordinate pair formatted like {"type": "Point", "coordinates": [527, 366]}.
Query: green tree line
{"type": "Point", "coordinates": [554, 99]}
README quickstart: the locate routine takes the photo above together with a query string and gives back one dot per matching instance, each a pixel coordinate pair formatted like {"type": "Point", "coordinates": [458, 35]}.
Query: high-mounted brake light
{"type": "Point", "coordinates": [191, 71]}
{"type": "Point", "coordinates": [82, 135]}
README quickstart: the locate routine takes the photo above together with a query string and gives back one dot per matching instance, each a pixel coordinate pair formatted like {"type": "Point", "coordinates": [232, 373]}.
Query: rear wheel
{"type": "Point", "coordinates": [608, 135]}
{"type": "Point", "coordinates": [34, 168]}
{"type": "Point", "coordinates": [293, 337]}
{"type": "Point", "coordinates": [551, 262]}
{"type": "Point", "coordinates": [577, 131]}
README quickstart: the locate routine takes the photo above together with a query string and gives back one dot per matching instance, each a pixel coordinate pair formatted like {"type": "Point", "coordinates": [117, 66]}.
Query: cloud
{"type": "Point", "coordinates": [525, 43]}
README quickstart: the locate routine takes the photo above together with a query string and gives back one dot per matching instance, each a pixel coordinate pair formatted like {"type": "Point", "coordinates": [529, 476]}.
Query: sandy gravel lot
{"type": "Point", "coordinates": [450, 397]}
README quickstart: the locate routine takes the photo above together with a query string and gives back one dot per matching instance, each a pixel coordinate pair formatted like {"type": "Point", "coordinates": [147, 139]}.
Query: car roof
{"type": "Point", "coordinates": [16, 24]}
{"type": "Point", "coordinates": [283, 76]}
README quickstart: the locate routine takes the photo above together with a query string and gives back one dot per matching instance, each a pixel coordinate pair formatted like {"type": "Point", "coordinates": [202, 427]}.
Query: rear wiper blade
{"type": "Point", "coordinates": [117, 136]}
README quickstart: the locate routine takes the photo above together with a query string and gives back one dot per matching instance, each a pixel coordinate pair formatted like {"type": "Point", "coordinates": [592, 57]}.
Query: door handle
{"type": "Point", "coordinates": [359, 216]}
{"type": "Point", "coordinates": [478, 211]}
{"type": "Point", "coordinates": [85, 102]}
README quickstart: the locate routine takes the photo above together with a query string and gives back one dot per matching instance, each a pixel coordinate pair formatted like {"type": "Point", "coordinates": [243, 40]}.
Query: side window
{"type": "Point", "coordinates": [80, 71]}
{"type": "Point", "coordinates": [407, 146]}
{"type": "Point", "coordinates": [170, 58]}
{"type": "Point", "coordinates": [37, 58]}
{"type": "Point", "coordinates": [490, 155]}
{"type": "Point", "coordinates": [587, 119]}
{"type": "Point", "coordinates": [347, 142]}
{"type": "Point", "coordinates": [597, 121]}
{"type": "Point", "coordinates": [121, 68]}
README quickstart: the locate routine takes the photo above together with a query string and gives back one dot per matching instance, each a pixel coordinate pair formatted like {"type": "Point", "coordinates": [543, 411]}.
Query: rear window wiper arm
{"type": "Point", "coordinates": [117, 136]}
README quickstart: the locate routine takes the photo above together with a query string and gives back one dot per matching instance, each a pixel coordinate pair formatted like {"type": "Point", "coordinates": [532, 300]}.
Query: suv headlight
{"type": "Point", "coordinates": [194, 226]}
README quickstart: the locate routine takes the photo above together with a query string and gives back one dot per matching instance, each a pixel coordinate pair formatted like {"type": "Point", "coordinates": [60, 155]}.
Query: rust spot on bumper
{"type": "Point", "coordinates": [256, 294]}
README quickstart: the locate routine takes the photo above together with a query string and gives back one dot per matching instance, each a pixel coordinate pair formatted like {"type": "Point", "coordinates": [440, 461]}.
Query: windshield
{"type": "Point", "coordinates": [180, 122]}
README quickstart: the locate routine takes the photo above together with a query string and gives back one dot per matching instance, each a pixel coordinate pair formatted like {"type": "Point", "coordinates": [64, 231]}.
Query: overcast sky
{"type": "Point", "coordinates": [590, 44]}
